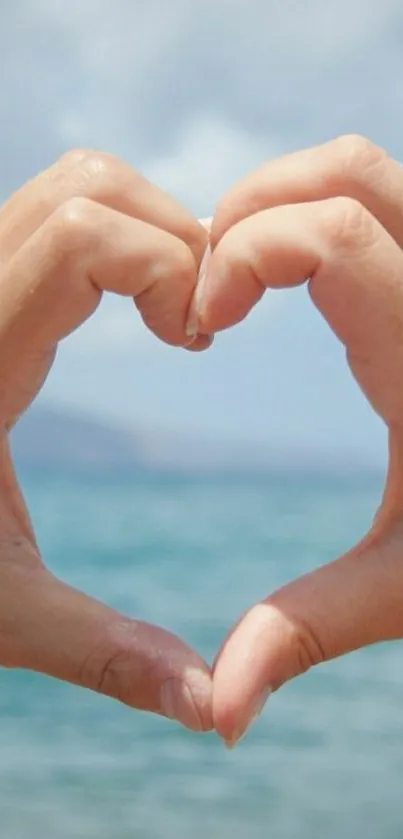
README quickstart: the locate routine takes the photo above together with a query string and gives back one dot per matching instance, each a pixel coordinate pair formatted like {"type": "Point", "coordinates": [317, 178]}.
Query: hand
{"type": "Point", "coordinates": [333, 214]}
{"type": "Point", "coordinates": [87, 225]}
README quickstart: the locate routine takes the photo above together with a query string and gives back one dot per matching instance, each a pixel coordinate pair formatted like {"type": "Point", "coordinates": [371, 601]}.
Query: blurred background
{"type": "Point", "coordinates": [181, 488]}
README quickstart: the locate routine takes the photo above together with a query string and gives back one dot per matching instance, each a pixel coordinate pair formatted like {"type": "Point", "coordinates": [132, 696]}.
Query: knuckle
{"type": "Point", "coordinates": [106, 178]}
{"type": "Point", "coordinates": [107, 677]}
{"type": "Point", "coordinates": [86, 158]}
{"type": "Point", "coordinates": [348, 224]}
{"type": "Point", "coordinates": [99, 165]}
{"type": "Point", "coordinates": [97, 174]}
{"type": "Point", "coordinates": [72, 157]}
{"type": "Point", "coordinates": [72, 224]}
{"type": "Point", "coordinates": [357, 148]}
{"type": "Point", "coordinates": [109, 668]}
{"type": "Point", "coordinates": [354, 158]}
{"type": "Point", "coordinates": [308, 646]}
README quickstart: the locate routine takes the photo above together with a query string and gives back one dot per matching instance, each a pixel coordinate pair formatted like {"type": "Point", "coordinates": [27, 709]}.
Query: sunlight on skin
{"type": "Point", "coordinates": [332, 216]}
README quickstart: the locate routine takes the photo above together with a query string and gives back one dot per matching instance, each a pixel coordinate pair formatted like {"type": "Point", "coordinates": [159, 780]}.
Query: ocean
{"type": "Point", "coordinates": [326, 758]}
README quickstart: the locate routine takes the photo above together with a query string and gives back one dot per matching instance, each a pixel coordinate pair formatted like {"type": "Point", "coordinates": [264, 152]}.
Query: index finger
{"type": "Point", "coordinates": [355, 272]}
{"type": "Point", "coordinates": [349, 166]}
{"type": "Point", "coordinates": [104, 179]}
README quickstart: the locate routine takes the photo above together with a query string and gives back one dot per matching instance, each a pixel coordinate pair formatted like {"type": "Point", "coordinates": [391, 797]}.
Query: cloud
{"type": "Point", "coordinates": [210, 155]}
{"type": "Point", "coordinates": [195, 95]}
{"type": "Point", "coordinates": [128, 76]}
{"type": "Point", "coordinates": [108, 35]}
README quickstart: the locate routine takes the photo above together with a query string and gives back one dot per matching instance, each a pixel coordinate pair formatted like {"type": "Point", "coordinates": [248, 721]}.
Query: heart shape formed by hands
{"type": "Point", "coordinates": [332, 216]}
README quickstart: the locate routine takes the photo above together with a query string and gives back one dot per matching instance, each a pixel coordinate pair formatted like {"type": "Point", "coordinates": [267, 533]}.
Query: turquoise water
{"type": "Point", "coordinates": [326, 758]}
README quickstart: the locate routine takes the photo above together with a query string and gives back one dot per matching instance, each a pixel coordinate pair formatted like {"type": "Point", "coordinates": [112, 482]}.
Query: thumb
{"type": "Point", "coordinates": [353, 602]}
{"type": "Point", "coordinates": [56, 630]}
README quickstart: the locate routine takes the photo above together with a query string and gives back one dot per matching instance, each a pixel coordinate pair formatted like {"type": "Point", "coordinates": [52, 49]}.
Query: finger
{"type": "Point", "coordinates": [104, 179]}
{"type": "Point", "coordinates": [50, 627]}
{"type": "Point", "coordinates": [353, 602]}
{"type": "Point", "coordinates": [107, 180]}
{"type": "Point", "coordinates": [55, 281]}
{"type": "Point", "coordinates": [356, 271]}
{"type": "Point", "coordinates": [54, 629]}
{"type": "Point", "coordinates": [349, 166]}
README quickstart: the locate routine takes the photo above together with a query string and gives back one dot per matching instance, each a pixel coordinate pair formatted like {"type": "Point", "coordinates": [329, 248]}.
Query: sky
{"type": "Point", "coordinates": [195, 95]}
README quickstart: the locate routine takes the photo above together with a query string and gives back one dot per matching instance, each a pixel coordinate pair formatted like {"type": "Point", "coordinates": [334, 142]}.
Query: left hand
{"type": "Point", "coordinates": [88, 225]}
{"type": "Point", "coordinates": [333, 215]}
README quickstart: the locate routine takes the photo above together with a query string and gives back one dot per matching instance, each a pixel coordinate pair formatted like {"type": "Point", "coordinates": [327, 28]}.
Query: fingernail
{"type": "Point", "coordinates": [208, 340]}
{"type": "Point", "coordinates": [194, 338]}
{"type": "Point", "coordinates": [252, 714]}
{"type": "Point", "coordinates": [195, 306]}
{"type": "Point", "coordinates": [177, 703]}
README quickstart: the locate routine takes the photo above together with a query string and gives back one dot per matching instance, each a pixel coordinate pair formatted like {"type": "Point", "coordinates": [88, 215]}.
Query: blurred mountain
{"type": "Point", "coordinates": [48, 438]}
{"type": "Point", "coordinates": [53, 439]}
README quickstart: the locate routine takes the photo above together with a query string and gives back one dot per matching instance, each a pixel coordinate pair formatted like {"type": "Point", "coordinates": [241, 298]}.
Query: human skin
{"type": "Point", "coordinates": [332, 216]}
{"type": "Point", "coordinates": [86, 226]}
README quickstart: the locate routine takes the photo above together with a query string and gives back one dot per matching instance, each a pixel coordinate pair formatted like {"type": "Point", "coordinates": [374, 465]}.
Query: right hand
{"type": "Point", "coordinates": [331, 216]}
